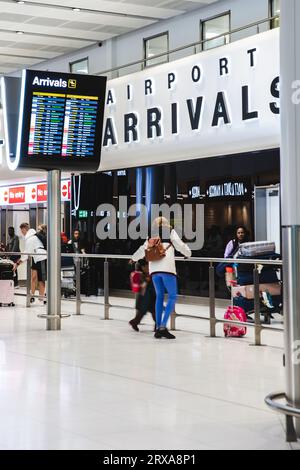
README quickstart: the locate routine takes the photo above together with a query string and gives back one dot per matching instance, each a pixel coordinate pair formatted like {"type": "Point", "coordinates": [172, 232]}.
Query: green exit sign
{"type": "Point", "coordinates": [83, 214]}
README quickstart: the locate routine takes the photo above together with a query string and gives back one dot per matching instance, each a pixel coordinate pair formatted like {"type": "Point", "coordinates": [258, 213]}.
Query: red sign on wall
{"type": "Point", "coordinates": [17, 195]}
{"type": "Point", "coordinates": [42, 192]}
{"type": "Point", "coordinates": [66, 190]}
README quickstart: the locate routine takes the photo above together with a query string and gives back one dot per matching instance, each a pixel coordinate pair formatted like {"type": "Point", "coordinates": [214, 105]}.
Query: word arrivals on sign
{"type": "Point", "coordinates": [219, 102]}
{"type": "Point", "coordinates": [47, 82]}
{"type": "Point", "coordinates": [192, 112]}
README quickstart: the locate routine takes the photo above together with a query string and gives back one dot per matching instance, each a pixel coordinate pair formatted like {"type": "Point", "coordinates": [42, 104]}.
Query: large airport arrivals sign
{"type": "Point", "coordinates": [218, 102]}
{"type": "Point", "coordinates": [54, 121]}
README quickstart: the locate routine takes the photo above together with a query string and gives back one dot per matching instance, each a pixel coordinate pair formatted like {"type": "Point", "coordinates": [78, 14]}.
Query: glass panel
{"type": "Point", "coordinates": [155, 46]}
{"type": "Point", "coordinates": [275, 10]}
{"type": "Point", "coordinates": [80, 66]}
{"type": "Point", "coordinates": [215, 27]}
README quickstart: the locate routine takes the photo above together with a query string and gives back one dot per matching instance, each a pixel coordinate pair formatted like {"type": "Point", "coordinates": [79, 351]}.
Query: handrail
{"type": "Point", "coordinates": [129, 257]}
{"type": "Point", "coordinates": [188, 46]}
{"type": "Point", "coordinates": [289, 411]}
{"type": "Point", "coordinates": [257, 325]}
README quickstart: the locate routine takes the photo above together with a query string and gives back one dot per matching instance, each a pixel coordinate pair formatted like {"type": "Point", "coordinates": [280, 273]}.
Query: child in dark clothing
{"type": "Point", "coordinates": [146, 297]}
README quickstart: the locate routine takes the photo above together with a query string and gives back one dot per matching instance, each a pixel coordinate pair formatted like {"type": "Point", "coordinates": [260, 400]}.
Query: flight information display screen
{"type": "Point", "coordinates": [62, 120]}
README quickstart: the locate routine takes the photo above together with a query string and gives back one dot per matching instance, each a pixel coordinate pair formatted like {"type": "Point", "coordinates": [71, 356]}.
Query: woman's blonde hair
{"type": "Point", "coordinates": [161, 222]}
{"type": "Point", "coordinates": [43, 228]}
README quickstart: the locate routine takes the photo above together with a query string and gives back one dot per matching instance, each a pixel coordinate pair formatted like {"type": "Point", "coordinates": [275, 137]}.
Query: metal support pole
{"type": "Point", "coordinates": [212, 301]}
{"type": "Point", "coordinates": [290, 192]}
{"type": "Point", "coordinates": [173, 322]}
{"type": "Point", "coordinates": [78, 286]}
{"type": "Point", "coordinates": [106, 290]}
{"type": "Point", "coordinates": [257, 307]}
{"type": "Point", "coordinates": [291, 435]}
{"type": "Point", "coordinates": [54, 251]}
{"type": "Point", "coordinates": [291, 295]}
{"type": "Point", "coordinates": [28, 283]}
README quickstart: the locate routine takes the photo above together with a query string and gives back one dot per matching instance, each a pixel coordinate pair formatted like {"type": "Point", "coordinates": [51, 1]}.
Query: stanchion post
{"type": "Point", "coordinates": [54, 251]}
{"type": "Point", "coordinates": [290, 193]}
{"type": "Point", "coordinates": [78, 286]}
{"type": "Point", "coordinates": [28, 282]}
{"type": "Point", "coordinates": [106, 289]}
{"type": "Point", "coordinates": [257, 307]}
{"type": "Point", "coordinates": [212, 301]}
{"type": "Point", "coordinates": [173, 321]}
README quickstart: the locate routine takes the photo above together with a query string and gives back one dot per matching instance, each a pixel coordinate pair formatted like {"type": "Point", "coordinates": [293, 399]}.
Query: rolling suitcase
{"type": "Point", "coordinates": [7, 291]}
{"type": "Point", "coordinates": [6, 270]}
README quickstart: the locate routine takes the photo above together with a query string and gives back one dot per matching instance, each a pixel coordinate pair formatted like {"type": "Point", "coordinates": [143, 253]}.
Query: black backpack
{"type": "Point", "coordinates": [42, 238]}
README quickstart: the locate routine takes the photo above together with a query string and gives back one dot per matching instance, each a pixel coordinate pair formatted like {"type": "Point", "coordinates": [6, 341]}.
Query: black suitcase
{"type": "Point", "coordinates": [88, 282]}
{"type": "Point", "coordinates": [6, 271]}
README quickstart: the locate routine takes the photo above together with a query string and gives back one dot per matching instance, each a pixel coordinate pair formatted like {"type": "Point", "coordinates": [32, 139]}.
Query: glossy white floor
{"type": "Point", "coordinates": [99, 385]}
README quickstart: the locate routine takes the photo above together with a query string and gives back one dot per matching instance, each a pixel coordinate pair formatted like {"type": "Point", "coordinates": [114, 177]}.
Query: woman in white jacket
{"type": "Point", "coordinates": [164, 274]}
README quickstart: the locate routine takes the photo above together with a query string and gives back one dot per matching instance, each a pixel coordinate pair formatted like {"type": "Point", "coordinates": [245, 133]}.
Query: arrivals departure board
{"type": "Point", "coordinates": [61, 121]}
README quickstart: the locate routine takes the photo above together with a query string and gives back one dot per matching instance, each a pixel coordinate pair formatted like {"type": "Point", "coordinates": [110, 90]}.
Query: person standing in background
{"type": "Point", "coordinates": [34, 246]}
{"type": "Point", "coordinates": [233, 246]}
{"type": "Point", "coordinates": [77, 245]}
{"type": "Point", "coordinates": [13, 246]}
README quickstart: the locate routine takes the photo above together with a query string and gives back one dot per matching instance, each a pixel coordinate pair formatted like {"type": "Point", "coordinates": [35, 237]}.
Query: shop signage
{"type": "Point", "coordinates": [42, 192]}
{"type": "Point", "coordinates": [16, 195]}
{"type": "Point", "coordinates": [229, 189]}
{"type": "Point", "coordinates": [33, 193]}
{"type": "Point", "coordinates": [221, 101]}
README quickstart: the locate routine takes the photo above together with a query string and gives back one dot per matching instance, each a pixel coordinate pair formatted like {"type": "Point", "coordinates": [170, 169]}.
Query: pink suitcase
{"type": "Point", "coordinates": [7, 292]}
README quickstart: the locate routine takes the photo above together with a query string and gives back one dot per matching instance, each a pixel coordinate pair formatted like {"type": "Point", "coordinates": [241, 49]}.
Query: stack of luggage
{"type": "Point", "coordinates": [68, 282]}
{"type": "Point", "coordinates": [270, 286]}
{"type": "Point", "coordinates": [7, 289]}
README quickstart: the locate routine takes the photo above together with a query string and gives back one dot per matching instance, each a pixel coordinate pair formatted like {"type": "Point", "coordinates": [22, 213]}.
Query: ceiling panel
{"type": "Point", "coordinates": [49, 28]}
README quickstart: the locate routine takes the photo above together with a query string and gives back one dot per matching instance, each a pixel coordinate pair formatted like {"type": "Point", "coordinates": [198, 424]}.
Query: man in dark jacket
{"type": "Point", "coordinates": [13, 246]}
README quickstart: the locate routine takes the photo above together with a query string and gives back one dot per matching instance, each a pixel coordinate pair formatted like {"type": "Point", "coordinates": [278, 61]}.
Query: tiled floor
{"type": "Point", "coordinates": [99, 385]}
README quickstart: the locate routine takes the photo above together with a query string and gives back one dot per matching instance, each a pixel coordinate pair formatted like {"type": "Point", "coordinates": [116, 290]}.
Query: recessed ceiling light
{"type": "Point", "coordinates": [76, 9]}
{"type": "Point", "coordinates": [20, 32]}
{"type": "Point", "coordinates": [20, 2]}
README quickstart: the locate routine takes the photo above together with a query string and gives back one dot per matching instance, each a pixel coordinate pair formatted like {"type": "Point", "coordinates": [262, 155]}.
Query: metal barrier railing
{"type": "Point", "coordinates": [290, 412]}
{"type": "Point", "coordinates": [195, 46]}
{"type": "Point", "coordinates": [213, 320]}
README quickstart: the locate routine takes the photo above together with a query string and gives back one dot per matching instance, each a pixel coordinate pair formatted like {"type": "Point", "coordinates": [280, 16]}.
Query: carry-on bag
{"type": "Point", "coordinates": [7, 291]}
{"type": "Point", "coordinates": [254, 249]}
{"type": "Point", "coordinates": [235, 314]}
{"type": "Point", "coordinates": [6, 270]}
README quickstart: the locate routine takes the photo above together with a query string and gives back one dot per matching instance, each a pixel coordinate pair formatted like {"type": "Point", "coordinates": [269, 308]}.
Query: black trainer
{"type": "Point", "coordinates": [158, 334]}
{"type": "Point", "coordinates": [134, 325]}
{"type": "Point", "coordinates": [166, 334]}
